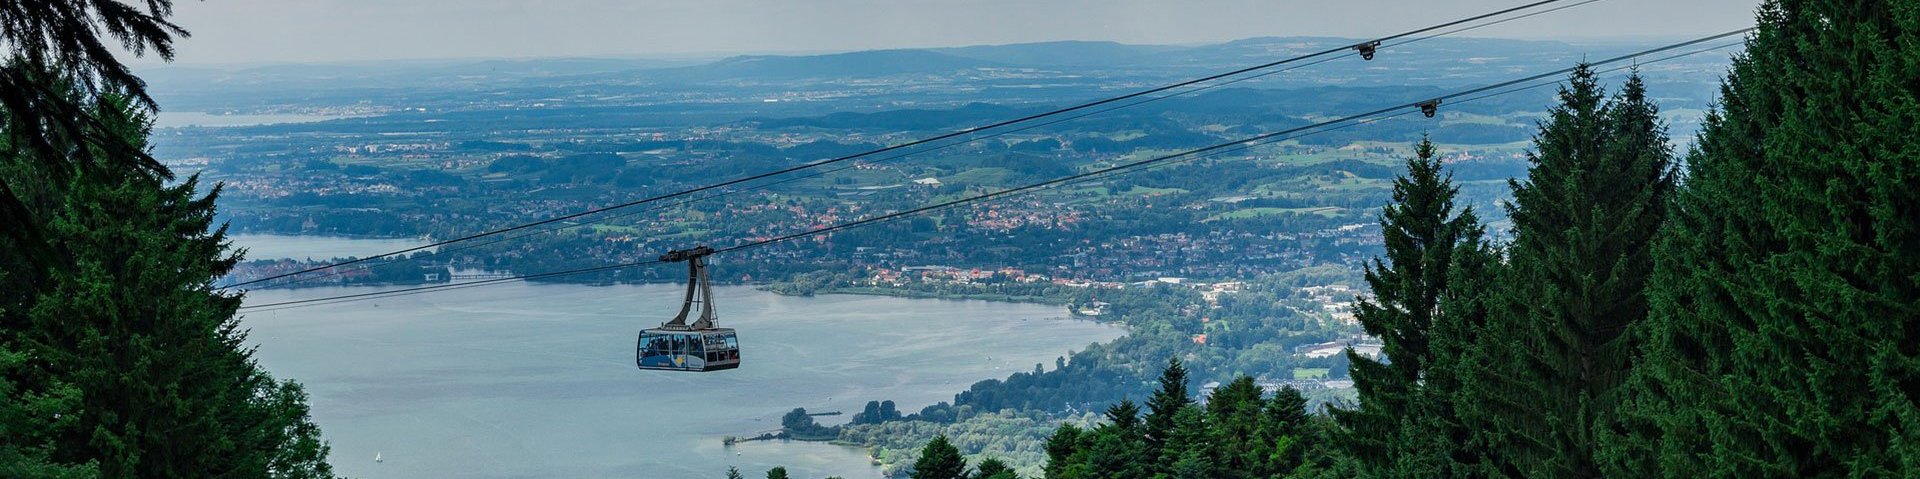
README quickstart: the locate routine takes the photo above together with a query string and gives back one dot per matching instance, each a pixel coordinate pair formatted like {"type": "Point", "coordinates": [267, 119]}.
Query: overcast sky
{"type": "Point", "coordinates": [276, 31]}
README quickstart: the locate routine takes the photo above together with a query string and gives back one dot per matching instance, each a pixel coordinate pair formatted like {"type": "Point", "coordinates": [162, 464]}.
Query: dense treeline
{"type": "Point", "coordinates": [1238, 432]}
{"type": "Point", "coordinates": [1748, 312]}
{"type": "Point", "coordinates": [1016, 438]}
{"type": "Point", "coordinates": [1249, 333]}
{"type": "Point", "coordinates": [1782, 333]}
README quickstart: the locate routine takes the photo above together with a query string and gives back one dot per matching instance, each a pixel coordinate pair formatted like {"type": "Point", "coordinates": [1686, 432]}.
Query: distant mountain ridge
{"type": "Point", "coordinates": [1061, 53]}
{"type": "Point", "coordinates": [1076, 55]}
{"type": "Point", "coordinates": [869, 63]}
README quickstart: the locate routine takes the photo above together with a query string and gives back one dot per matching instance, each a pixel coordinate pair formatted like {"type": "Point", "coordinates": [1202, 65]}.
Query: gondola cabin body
{"type": "Point", "coordinates": [687, 350]}
{"type": "Point", "coordinates": [680, 345]}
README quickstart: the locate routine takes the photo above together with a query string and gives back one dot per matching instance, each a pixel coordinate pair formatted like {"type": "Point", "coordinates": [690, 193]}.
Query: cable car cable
{"type": "Point", "coordinates": [1237, 145]}
{"type": "Point", "coordinates": [1214, 149]}
{"type": "Point", "coordinates": [1457, 102]}
{"type": "Point", "coordinates": [1220, 146]}
{"type": "Point", "coordinates": [909, 144]}
{"type": "Point", "coordinates": [1000, 133]}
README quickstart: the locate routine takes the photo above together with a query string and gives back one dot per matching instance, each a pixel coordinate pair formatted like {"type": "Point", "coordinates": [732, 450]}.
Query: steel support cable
{"type": "Point", "coordinates": [969, 140]}
{"type": "Point", "coordinates": [910, 144]}
{"type": "Point", "coordinates": [1223, 146]}
{"type": "Point", "coordinates": [1409, 112]}
{"type": "Point", "coordinates": [294, 304]}
{"type": "Point", "coordinates": [1469, 95]}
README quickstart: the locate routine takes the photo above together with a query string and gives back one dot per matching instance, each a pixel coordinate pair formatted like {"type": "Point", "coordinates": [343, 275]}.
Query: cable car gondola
{"type": "Point", "coordinates": [681, 346]}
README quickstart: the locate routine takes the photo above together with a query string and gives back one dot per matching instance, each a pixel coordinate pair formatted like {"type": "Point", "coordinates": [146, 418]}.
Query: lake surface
{"type": "Point", "coordinates": [176, 119]}
{"type": "Point", "coordinates": [318, 248]}
{"type": "Point", "coordinates": [538, 380]}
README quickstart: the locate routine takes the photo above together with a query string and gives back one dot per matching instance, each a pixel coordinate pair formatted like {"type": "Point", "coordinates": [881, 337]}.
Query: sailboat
{"type": "Point", "coordinates": [377, 458]}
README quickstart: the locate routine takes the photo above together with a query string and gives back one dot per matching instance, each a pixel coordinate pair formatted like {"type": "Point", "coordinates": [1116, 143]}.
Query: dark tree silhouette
{"type": "Point", "coordinates": [59, 46]}
{"type": "Point", "coordinates": [940, 460]}
{"type": "Point", "coordinates": [991, 468]}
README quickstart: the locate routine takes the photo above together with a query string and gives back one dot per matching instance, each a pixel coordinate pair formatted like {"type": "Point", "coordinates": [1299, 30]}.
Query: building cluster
{"type": "Point", "coordinates": [952, 275]}
{"type": "Point", "coordinates": [999, 218]}
{"type": "Point", "coordinates": [1335, 300]}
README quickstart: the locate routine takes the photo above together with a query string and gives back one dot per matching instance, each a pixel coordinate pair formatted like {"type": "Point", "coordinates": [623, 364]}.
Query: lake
{"type": "Point", "coordinates": [178, 119]}
{"type": "Point", "coordinates": [538, 380]}
{"type": "Point", "coordinates": [318, 248]}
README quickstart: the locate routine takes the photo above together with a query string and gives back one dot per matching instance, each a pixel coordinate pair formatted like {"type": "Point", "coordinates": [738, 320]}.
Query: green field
{"type": "Point", "coordinates": [1142, 191]}
{"type": "Point", "coordinates": [1326, 211]}
{"type": "Point", "coordinates": [982, 177]}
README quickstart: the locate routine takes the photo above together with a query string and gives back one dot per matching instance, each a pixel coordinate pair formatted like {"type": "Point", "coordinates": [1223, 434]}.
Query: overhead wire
{"type": "Point", "coordinates": [331, 272]}
{"type": "Point", "coordinates": [1483, 96]}
{"type": "Point", "coordinates": [910, 144]}
{"type": "Point", "coordinates": [971, 140]}
{"type": "Point", "coordinates": [1221, 146]}
{"type": "Point", "coordinates": [1464, 96]}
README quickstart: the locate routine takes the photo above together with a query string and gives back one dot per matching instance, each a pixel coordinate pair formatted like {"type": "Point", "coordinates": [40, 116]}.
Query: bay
{"type": "Point", "coordinates": [181, 119]}
{"type": "Point", "coordinates": [537, 380]}
{"type": "Point", "coordinates": [318, 248]}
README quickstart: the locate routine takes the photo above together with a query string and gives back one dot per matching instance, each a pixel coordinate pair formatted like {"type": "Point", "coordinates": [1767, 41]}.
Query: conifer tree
{"type": "Point", "coordinates": [1161, 408]}
{"type": "Point", "coordinates": [1451, 444]}
{"type": "Point", "coordinates": [1236, 434]}
{"type": "Point", "coordinates": [1062, 448]}
{"type": "Point", "coordinates": [71, 41]}
{"type": "Point", "coordinates": [166, 386]}
{"type": "Point", "coordinates": [940, 460]}
{"type": "Point", "coordinates": [778, 472]}
{"type": "Point", "coordinates": [26, 420]}
{"type": "Point", "coordinates": [1123, 418]}
{"type": "Point", "coordinates": [1236, 419]}
{"type": "Point", "coordinates": [1783, 339]}
{"type": "Point", "coordinates": [1188, 452]}
{"type": "Point", "coordinates": [734, 473]}
{"type": "Point", "coordinates": [1322, 457]}
{"type": "Point", "coordinates": [1421, 230]}
{"type": "Point", "coordinates": [991, 468]}
{"type": "Point", "coordinates": [1118, 449]}
{"type": "Point", "coordinates": [1287, 433]}
{"type": "Point", "coordinates": [1575, 280]}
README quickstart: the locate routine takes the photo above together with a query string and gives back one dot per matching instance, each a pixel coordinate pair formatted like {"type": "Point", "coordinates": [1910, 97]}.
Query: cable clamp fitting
{"type": "Point", "coordinates": [1367, 50]}
{"type": "Point", "coordinates": [1429, 107]}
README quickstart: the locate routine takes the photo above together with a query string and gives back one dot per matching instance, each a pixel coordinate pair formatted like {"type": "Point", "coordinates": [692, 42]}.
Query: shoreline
{"type": "Point", "coordinates": [917, 294]}
{"type": "Point", "coordinates": [870, 449]}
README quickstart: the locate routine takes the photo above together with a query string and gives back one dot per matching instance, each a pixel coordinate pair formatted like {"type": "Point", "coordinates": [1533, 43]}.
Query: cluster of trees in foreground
{"type": "Point", "coordinates": [1238, 432]}
{"type": "Point", "coordinates": [1250, 333]}
{"type": "Point", "coordinates": [1751, 311]}
{"type": "Point", "coordinates": [118, 358]}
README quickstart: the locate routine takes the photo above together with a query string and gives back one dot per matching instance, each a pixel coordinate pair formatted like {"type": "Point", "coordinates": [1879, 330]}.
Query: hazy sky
{"type": "Point", "coordinates": [251, 31]}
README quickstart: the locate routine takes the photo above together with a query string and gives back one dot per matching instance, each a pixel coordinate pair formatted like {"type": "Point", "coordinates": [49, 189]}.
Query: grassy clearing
{"type": "Point", "coordinates": [602, 228]}
{"type": "Point", "coordinates": [1326, 211]}
{"type": "Point", "coordinates": [982, 176]}
{"type": "Point", "coordinates": [1461, 118]}
{"type": "Point", "coordinates": [1143, 191]}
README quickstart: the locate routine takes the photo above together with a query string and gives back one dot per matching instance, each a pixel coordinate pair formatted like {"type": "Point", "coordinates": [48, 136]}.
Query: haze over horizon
{"type": "Point", "coordinates": [331, 31]}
